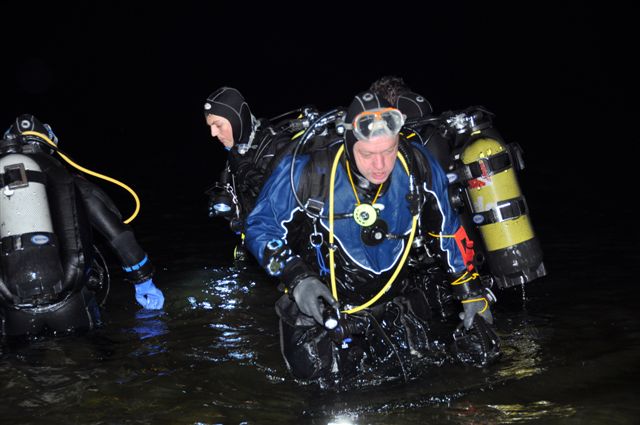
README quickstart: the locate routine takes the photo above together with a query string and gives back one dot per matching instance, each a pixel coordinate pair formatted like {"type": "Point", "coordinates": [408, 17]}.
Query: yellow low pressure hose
{"type": "Point", "coordinates": [385, 288]}
{"type": "Point", "coordinates": [92, 173]}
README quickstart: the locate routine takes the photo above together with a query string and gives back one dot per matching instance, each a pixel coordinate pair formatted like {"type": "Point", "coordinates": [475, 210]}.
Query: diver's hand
{"type": "Point", "coordinates": [148, 296]}
{"type": "Point", "coordinates": [307, 294]}
{"type": "Point", "coordinates": [479, 305]}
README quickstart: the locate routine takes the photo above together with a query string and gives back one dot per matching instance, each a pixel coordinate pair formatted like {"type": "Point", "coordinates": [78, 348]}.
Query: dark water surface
{"type": "Point", "coordinates": [571, 349]}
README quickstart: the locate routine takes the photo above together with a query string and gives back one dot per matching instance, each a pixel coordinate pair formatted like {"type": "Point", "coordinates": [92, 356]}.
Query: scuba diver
{"type": "Point", "coordinates": [52, 276]}
{"type": "Point", "coordinates": [252, 145]}
{"type": "Point", "coordinates": [367, 250]}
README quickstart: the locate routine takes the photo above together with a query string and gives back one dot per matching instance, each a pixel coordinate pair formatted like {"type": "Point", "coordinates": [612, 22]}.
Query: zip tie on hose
{"type": "Point", "coordinates": [92, 173]}
{"type": "Point", "coordinates": [436, 235]}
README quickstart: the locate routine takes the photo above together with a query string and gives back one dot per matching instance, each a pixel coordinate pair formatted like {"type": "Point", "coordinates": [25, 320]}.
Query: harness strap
{"type": "Point", "coordinates": [16, 177]}
{"type": "Point", "coordinates": [486, 166]}
{"type": "Point", "coordinates": [504, 210]}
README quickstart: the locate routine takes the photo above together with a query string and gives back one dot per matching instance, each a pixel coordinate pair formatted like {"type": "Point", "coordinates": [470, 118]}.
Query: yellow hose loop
{"type": "Point", "coordinates": [461, 280]}
{"type": "Point", "coordinates": [395, 273]}
{"type": "Point", "coordinates": [475, 300]}
{"type": "Point", "coordinates": [332, 265]}
{"type": "Point", "coordinates": [462, 276]}
{"type": "Point", "coordinates": [385, 288]}
{"type": "Point", "coordinates": [92, 173]}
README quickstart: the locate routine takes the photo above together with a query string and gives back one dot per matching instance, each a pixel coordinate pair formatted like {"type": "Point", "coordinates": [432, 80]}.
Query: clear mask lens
{"type": "Point", "coordinates": [378, 122]}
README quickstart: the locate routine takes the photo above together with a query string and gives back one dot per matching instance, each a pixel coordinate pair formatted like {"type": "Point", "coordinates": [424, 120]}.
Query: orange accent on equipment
{"type": "Point", "coordinates": [465, 245]}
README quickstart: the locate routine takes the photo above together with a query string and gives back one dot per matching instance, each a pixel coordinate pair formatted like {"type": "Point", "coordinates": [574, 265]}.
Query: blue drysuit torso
{"type": "Point", "coordinates": [361, 269]}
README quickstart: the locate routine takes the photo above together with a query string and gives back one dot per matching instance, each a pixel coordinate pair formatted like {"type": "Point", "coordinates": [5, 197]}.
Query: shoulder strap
{"type": "Point", "coordinates": [314, 181]}
{"type": "Point", "coordinates": [417, 160]}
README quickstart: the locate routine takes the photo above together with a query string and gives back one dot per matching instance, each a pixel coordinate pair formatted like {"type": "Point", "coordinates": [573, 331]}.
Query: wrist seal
{"type": "Point", "coordinates": [294, 272]}
{"type": "Point", "coordinates": [138, 272]}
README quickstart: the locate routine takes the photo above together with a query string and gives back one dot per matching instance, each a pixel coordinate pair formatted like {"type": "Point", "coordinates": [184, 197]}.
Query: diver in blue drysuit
{"type": "Point", "coordinates": [50, 271]}
{"type": "Point", "coordinates": [378, 311]}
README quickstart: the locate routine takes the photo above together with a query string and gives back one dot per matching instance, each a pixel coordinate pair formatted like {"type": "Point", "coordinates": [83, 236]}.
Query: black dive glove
{"type": "Point", "coordinates": [480, 305]}
{"type": "Point", "coordinates": [307, 294]}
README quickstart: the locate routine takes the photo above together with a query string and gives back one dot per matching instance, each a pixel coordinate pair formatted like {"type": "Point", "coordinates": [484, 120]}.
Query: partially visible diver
{"type": "Point", "coordinates": [52, 276]}
{"type": "Point", "coordinates": [417, 109]}
{"type": "Point", "coordinates": [368, 252]}
{"type": "Point", "coordinates": [252, 145]}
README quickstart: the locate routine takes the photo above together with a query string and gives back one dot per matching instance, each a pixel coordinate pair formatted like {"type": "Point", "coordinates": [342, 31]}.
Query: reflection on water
{"type": "Point", "coordinates": [517, 413]}
{"type": "Point", "coordinates": [212, 357]}
{"type": "Point", "coordinates": [149, 324]}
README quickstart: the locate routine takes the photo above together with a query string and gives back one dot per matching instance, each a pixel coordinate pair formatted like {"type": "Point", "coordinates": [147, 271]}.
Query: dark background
{"type": "Point", "coordinates": [123, 84]}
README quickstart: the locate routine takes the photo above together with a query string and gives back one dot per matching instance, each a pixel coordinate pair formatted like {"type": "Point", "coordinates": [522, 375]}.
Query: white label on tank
{"type": "Point", "coordinates": [39, 239]}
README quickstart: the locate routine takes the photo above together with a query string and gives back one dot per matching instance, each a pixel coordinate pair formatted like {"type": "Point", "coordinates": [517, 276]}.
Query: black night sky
{"type": "Point", "coordinates": [123, 84]}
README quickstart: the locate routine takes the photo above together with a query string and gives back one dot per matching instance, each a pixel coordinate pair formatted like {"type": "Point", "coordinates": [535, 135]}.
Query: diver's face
{"type": "Point", "coordinates": [221, 128]}
{"type": "Point", "coordinates": [376, 157]}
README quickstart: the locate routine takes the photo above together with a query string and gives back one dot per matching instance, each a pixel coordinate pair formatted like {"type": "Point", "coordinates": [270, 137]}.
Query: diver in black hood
{"type": "Point", "coordinates": [251, 144]}
{"type": "Point", "coordinates": [230, 119]}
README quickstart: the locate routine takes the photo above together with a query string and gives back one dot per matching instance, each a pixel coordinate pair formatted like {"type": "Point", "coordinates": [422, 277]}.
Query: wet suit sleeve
{"type": "Point", "coordinates": [107, 220]}
{"type": "Point", "coordinates": [276, 205]}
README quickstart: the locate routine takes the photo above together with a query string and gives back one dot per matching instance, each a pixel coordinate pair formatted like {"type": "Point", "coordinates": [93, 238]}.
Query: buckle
{"type": "Point", "coordinates": [15, 176]}
{"type": "Point", "coordinates": [315, 206]}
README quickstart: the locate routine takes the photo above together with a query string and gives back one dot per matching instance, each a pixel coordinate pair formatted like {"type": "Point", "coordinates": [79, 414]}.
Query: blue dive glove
{"type": "Point", "coordinates": [148, 296]}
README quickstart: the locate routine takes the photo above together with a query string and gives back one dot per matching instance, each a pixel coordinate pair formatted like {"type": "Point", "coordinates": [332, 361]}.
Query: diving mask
{"type": "Point", "coordinates": [377, 122]}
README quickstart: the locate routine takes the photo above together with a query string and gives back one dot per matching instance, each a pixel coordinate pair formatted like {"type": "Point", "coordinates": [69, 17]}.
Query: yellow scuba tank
{"type": "Point", "coordinates": [485, 171]}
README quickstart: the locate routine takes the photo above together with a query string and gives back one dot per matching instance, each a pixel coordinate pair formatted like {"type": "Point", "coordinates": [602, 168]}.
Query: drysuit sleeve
{"type": "Point", "coordinates": [107, 220]}
{"type": "Point", "coordinates": [266, 233]}
{"type": "Point", "coordinates": [442, 219]}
